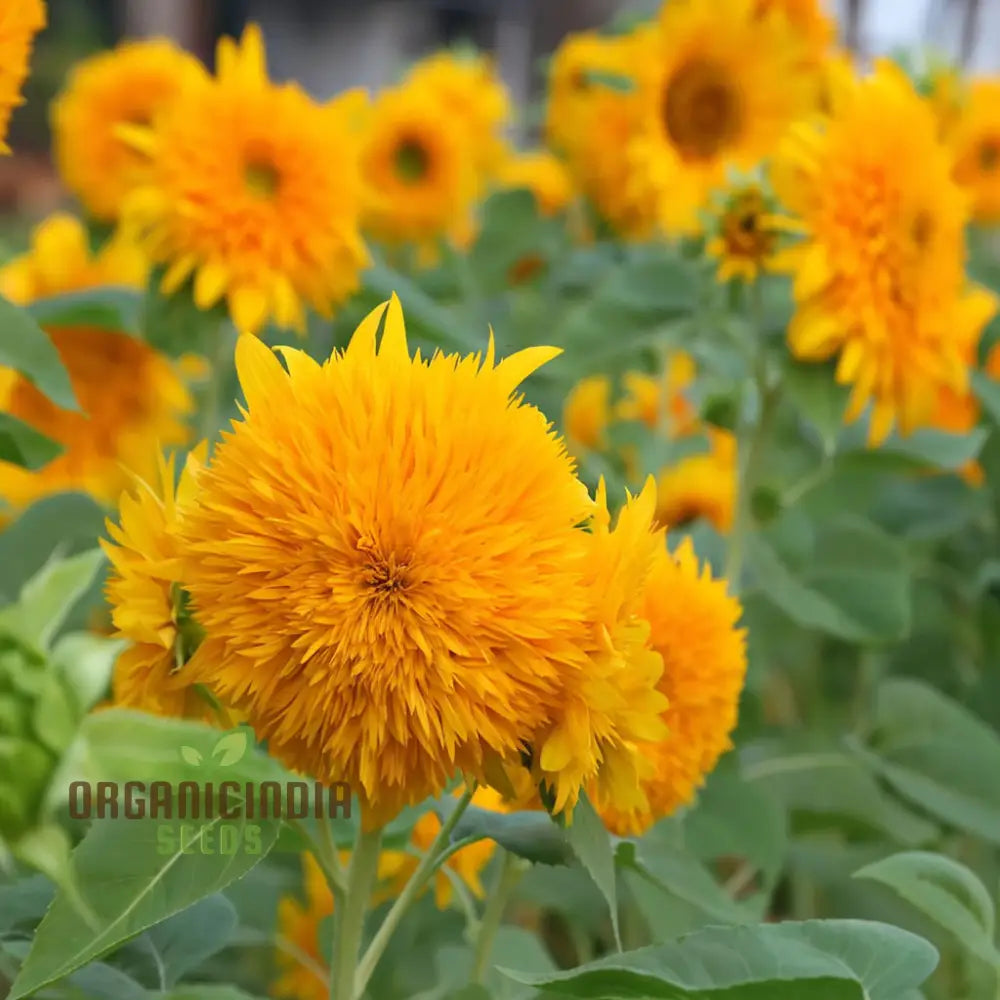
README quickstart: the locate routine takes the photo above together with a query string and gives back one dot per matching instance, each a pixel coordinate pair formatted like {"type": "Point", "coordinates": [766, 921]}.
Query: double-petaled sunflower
{"type": "Point", "coordinates": [255, 190]}
{"type": "Point", "coordinates": [541, 173]}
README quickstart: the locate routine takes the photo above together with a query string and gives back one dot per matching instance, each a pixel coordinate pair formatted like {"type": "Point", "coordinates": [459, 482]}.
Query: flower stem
{"type": "Point", "coordinates": [348, 920]}
{"type": "Point", "coordinates": [508, 876]}
{"type": "Point", "coordinates": [429, 863]}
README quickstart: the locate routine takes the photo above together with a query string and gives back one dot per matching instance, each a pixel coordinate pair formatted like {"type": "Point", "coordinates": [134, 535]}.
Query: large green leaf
{"type": "Point", "coordinates": [591, 843]}
{"type": "Point", "coordinates": [21, 444]}
{"type": "Point", "coordinates": [947, 892]}
{"type": "Point", "coordinates": [109, 307]}
{"type": "Point", "coordinates": [814, 960]}
{"type": "Point", "coordinates": [26, 348]}
{"type": "Point", "coordinates": [936, 754]}
{"type": "Point", "coordinates": [531, 834]}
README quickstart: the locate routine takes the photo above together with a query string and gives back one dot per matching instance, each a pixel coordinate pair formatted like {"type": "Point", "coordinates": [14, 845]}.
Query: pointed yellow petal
{"type": "Point", "coordinates": [363, 338]}
{"type": "Point", "coordinates": [300, 365]}
{"type": "Point", "coordinates": [259, 371]}
{"type": "Point", "coordinates": [512, 371]}
{"type": "Point", "coordinates": [248, 308]}
{"type": "Point", "coordinates": [394, 333]}
{"type": "Point", "coordinates": [210, 283]}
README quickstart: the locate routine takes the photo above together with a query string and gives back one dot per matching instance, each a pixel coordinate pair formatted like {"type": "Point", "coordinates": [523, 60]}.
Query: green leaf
{"type": "Point", "coordinates": [532, 835]}
{"type": "Point", "coordinates": [845, 577]}
{"type": "Point", "coordinates": [591, 843]}
{"type": "Point", "coordinates": [813, 960]}
{"type": "Point", "coordinates": [987, 391]}
{"type": "Point", "coordinates": [182, 942]}
{"type": "Point", "coordinates": [106, 982]}
{"type": "Point", "coordinates": [175, 325]}
{"type": "Point", "coordinates": [937, 755]}
{"type": "Point", "coordinates": [946, 451]}
{"type": "Point", "coordinates": [27, 349]}
{"type": "Point", "coordinates": [110, 307]}
{"type": "Point", "coordinates": [207, 991]}
{"type": "Point", "coordinates": [131, 875]}
{"type": "Point", "coordinates": [24, 901]}
{"type": "Point", "coordinates": [817, 396]}
{"type": "Point", "coordinates": [21, 444]}
{"type": "Point", "coordinates": [86, 662]}
{"type": "Point", "coordinates": [947, 892]}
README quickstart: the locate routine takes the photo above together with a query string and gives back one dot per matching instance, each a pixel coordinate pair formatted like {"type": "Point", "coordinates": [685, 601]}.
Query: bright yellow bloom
{"type": "Point", "coordinates": [392, 594]}
{"type": "Point", "coordinates": [659, 401]}
{"type": "Point", "coordinates": [693, 624]}
{"type": "Point", "coordinates": [422, 179]}
{"type": "Point", "coordinates": [975, 140]}
{"type": "Point", "coordinates": [543, 175]}
{"type": "Point", "coordinates": [255, 190]}
{"type": "Point", "coordinates": [20, 21]}
{"type": "Point", "coordinates": [879, 278]}
{"type": "Point", "coordinates": [132, 398]}
{"type": "Point", "coordinates": [592, 115]}
{"type": "Point", "coordinates": [586, 413]}
{"type": "Point", "coordinates": [147, 606]}
{"type": "Point", "coordinates": [722, 86]}
{"type": "Point", "coordinates": [745, 236]}
{"type": "Point", "coordinates": [129, 85]}
{"type": "Point", "coordinates": [473, 97]}
{"type": "Point", "coordinates": [947, 91]}
{"type": "Point", "coordinates": [807, 19]}
{"type": "Point", "coordinates": [702, 485]}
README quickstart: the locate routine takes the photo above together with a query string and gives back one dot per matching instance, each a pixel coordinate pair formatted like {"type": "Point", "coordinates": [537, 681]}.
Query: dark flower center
{"type": "Point", "coordinates": [702, 110]}
{"type": "Point", "coordinates": [412, 161]}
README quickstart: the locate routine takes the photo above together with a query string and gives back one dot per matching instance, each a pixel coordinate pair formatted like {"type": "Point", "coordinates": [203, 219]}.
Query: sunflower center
{"type": "Point", "coordinates": [261, 179]}
{"type": "Point", "coordinates": [701, 109]}
{"type": "Point", "coordinates": [922, 229]}
{"type": "Point", "coordinates": [989, 155]}
{"type": "Point", "coordinates": [412, 161]}
{"type": "Point", "coordinates": [743, 233]}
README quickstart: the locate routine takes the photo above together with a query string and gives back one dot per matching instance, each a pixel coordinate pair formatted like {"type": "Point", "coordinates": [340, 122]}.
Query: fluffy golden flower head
{"type": "Point", "coordinates": [20, 21]}
{"type": "Point", "coordinates": [541, 173]}
{"type": "Point", "coordinates": [745, 234]}
{"type": "Point", "coordinates": [132, 398]}
{"type": "Point", "coordinates": [254, 189]}
{"type": "Point", "coordinates": [147, 603]}
{"type": "Point", "coordinates": [586, 413]}
{"type": "Point", "coordinates": [879, 276]}
{"type": "Point", "coordinates": [130, 85]}
{"type": "Point", "coordinates": [724, 83]}
{"type": "Point", "coordinates": [693, 623]}
{"type": "Point", "coordinates": [422, 179]}
{"type": "Point", "coordinates": [392, 594]}
{"type": "Point", "coordinates": [468, 91]}
{"type": "Point", "coordinates": [975, 140]}
{"type": "Point", "coordinates": [60, 260]}
{"type": "Point", "coordinates": [702, 485]}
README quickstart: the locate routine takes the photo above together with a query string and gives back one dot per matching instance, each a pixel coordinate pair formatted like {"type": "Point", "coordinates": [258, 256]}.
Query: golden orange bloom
{"type": "Point", "coordinates": [693, 623]}
{"type": "Point", "coordinates": [20, 21]}
{"type": "Point", "coordinates": [975, 140]}
{"type": "Point", "coordinates": [132, 398]}
{"type": "Point", "coordinates": [879, 277]}
{"type": "Point", "coordinates": [659, 401]}
{"type": "Point", "coordinates": [129, 85]}
{"type": "Point", "coordinates": [702, 485]}
{"type": "Point", "coordinates": [586, 413]}
{"type": "Point", "coordinates": [255, 190]}
{"type": "Point", "coordinates": [543, 175]}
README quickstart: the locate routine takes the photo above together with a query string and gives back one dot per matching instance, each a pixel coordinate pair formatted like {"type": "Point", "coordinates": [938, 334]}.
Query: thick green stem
{"type": "Point", "coordinates": [348, 920]}
{"type": "Point", "coordinates": [508, 876]}
{"type": "Point", "coordinates": [429, 863]}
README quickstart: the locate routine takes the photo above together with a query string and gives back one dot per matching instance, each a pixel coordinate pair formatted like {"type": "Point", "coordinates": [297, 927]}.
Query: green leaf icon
{"type": "Point", "coordinates": [191, 756]}
{"type": "Point", "coordinates": [230, 749]}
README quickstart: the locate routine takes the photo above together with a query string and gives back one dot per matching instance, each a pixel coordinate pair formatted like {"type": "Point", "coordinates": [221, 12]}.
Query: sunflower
{"type": "Point", "coordinates": [20, 21]}
{"type": "Point", "coordinates": [659, 401]}
{"type": "Point", "coordinates": [392, 595]}
{"type": "Point", "coordinates": [147, 604]}
{"type": "Point", "coordinates": [702, 485]}
{"type": "Point", "coordinates": [467, 89]}
{"type": "Point", "coordinates": [129, 85]}
{"type": "Point", "coordinates": [255, 190]}
{"type": "Point", "coordinates": [541, 173]}
{"type": "Point", "coordinates": [896, 305]}
{"type": "Point", "coordinates": [693, 626]}
{"type": "Point", "coordinates": [132, 398]}
{"type": "Point", "coordinates": [745, 233]}
{"type": "Point", "coordinates": [593, 111]}
{"type": "Point", "coordinates": [587, 412]}
{"type": "Point", "coordinates": [975, 140]}
{"type": "Point", "coordinates": [420, 171]}
{"type": "Point", "coordinates": [721, 87]}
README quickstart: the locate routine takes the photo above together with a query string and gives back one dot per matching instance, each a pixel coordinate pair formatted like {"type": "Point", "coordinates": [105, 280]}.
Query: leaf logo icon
{"type": "Point", "coordinates": [191, 756]}
{"type": "Point", "coordinates": [230, 749]}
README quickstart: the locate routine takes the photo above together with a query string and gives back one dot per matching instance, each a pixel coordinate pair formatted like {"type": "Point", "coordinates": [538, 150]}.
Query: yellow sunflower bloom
{"type": "Point", "coordinates": [20, 21]}
{"type": "Point", "coordinates": [720, 89]}
{"type": "Point", "coordinates": [129, 85]}
{"type": "Point", "coordinates": [658, 401]}
{"type": "Point", "coordinates": [543, 175]}
{"type": "Point", "coordinates": [422, 180]}
{"type": "Point", "coordinates": [470, 93]}
{"type": "Point", "coordinates": [411, 605]}
{"type": "Point", "coordinates": [701, 485]}
{"type": "Point", "coordinates": [975, 140]}
{"type": "Point", "coordinates": [895, 306]}
{"type": "Point", "coordinates": [255, 190]}
{"type": "Point", "coordinates": [132, 398]}
{"type": "Point", "coordinates": [744, 238]}
{"type": "Point", "coordinates": [693, 623]}
{"type": "Point", "coordinates": [587, 412]}
{"type": "Point", "coordinates": [147, 605]}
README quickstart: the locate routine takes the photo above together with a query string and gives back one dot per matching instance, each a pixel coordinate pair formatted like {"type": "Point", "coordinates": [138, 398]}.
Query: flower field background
{"type": "Point", "coordinates": [618, 520]}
